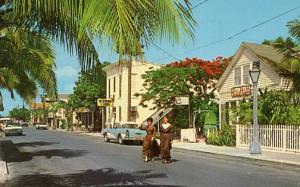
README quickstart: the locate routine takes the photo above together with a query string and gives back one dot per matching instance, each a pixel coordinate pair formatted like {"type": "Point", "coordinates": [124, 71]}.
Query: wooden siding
{"type": "Point", "coordinates": [268, 77]}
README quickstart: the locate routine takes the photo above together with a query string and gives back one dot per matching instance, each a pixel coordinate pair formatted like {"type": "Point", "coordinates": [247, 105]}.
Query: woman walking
{"type": "Point", "coordinates": [166, 138]}
{"type": "Point", "coordinates": [148, 140]}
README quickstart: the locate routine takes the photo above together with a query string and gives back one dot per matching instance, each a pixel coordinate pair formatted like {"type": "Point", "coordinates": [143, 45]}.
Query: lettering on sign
{"type": "Point", "coordinates": [104, 102]}
{"type": "Point", "coordinates": [241, 91]}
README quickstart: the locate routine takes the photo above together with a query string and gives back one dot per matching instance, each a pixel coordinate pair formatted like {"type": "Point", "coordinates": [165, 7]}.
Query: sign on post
{"type": "Point", "coordinates": [241, 91]}
{"type": "Point", "coordinates": [104, 102]}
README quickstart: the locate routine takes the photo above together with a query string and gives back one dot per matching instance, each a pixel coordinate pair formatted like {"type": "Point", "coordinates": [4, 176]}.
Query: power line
{"type": "Point", "coordinates": [236, 34]}
{"type": "Point", "coordinates": [201, 3]}
{"type": "Point", "coordinates": [166, 52]}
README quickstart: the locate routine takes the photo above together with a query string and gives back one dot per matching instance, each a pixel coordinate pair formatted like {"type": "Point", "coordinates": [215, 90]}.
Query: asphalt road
{"type": "Point", "coordinates": [49, 158]}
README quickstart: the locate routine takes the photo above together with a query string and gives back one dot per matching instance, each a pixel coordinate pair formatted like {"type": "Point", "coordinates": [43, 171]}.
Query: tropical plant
{"type": "Point", "coordinates": [191, 77]}
{"type": "Point", "coordinates": [194, 78]}
{"type": "Point", "coordinates": [274, 107]}
{"type": "Point", "coordinates": [26, 59]}
{"type": "Point", "coordinates": [290, 49]}
{"type": "Point", "coordinates": [124, 24]}
{"type": "Point", "coordinates": [20, 114]}
{"type": "Point", "coordinates": [224, 137]}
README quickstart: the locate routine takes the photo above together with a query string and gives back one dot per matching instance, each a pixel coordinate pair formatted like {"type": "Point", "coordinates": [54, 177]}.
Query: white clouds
{"type": "Point", "coordinates": [67, 71]}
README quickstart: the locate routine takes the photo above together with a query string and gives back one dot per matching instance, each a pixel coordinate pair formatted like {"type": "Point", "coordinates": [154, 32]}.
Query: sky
{"type": "Point", "coordinates": [216, 20]}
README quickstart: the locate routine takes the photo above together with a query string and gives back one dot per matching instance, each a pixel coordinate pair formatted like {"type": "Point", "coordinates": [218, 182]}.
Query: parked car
{"type": "Point", "coordinates": [13, 128]}
{"type": "Point", "coordinates": [24, 124]}
{"type": "Point", "coordinates": [42, 126]}
{"type": "Point", "coordinates": [124, 132]}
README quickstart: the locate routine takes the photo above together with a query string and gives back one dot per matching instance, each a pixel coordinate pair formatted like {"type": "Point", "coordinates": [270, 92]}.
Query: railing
{"type": "Point", "coordinates": [283, 138]}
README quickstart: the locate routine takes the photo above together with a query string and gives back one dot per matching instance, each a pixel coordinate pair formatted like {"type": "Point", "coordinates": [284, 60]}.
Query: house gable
{"type": "Point", "coordinates": [245, 56]}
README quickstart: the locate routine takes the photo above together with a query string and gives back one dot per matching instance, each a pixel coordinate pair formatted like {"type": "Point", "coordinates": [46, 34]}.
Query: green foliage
{"type": "Point", "coordinates": [88, 88]}
{"type": "Point", "coordinates": [274, 107]}
{"type": "Point", "coordinates": [77, 23]}
{"type": "Point", "coordinates": [224, 137]}
{"type": "Point", "coordinates": [164, 85]}
{"type": "Point", "coordinates": [20, 114]}
{"type": "Point", "coordinates": [64, 124]}
{"type": "Point", "coordinates": [241, 114]}
{"type": "Point", "coordinates": [163, 89]}
{"type": "Point", "coordinates": [26, 62]}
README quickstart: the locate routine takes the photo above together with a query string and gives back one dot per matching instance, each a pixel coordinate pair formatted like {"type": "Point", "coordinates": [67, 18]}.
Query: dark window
{"type": "Point", "coordinates": [109, 88]}
{"type": "Point", "coordinates": [246, 75]}
{"type": "Point", "coordinates": [237, 76]}
{"type": "Point", "coordinates": [114, 84]}
{"type": "Point", "coordinates": [120, 85]}
{"type": "Point", "coordinates": [120, 114]}
{"type": "Point", "coordinates": [256, 65]}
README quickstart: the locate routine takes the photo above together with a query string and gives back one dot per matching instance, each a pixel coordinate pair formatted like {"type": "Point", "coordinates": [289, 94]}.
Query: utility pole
{"type": "Point", "coordinates": [44, 106]}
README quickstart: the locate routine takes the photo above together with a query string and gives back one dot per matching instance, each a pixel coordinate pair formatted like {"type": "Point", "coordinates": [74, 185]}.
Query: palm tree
{"type": "Point", "coordinates": [26, 59]}
{"type": "Point", "coordinates": [290, 48]}
{"type": "Point", "coordinates": [122, 23]}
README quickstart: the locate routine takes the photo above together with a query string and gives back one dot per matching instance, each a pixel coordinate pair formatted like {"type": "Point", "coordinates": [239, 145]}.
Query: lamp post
{"type": "Point", "coordinates": [255, 145]}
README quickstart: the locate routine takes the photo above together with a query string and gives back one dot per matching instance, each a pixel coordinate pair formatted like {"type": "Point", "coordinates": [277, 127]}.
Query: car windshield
{"type": "Point", "coordinates": [12, 125]}
{"type": "Point", "coordinates": [130, 125]}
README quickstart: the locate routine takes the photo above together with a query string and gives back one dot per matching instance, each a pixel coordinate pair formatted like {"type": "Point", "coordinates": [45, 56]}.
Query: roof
{"type": "Point", "coordinates": [63, 96]}
{"type": "Point", "coordinates": [59, 97]}
{"type": "Point", "coordinates": [117, 63]}
{"type": "Point", "coordinates": [266, 53]}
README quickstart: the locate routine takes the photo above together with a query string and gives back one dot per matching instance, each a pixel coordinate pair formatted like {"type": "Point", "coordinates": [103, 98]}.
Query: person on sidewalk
{"type": "Point", "coordinates": [166, 139]}
{"type": "Point", "coordinates": [148, 151]}
{"type": "Point", "coordinates": [2, 133]}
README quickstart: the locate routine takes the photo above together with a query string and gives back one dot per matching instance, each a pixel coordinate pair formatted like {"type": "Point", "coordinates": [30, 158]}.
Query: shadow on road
{"type": "Point", "coordinates": [100, 177]}
{"type": "Point", "coordinates": [10, 152]}
{"type": "Point", "coordinates": [35, 144]}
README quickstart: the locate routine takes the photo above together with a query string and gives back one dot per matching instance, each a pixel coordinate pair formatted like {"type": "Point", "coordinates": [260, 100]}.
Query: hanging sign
{"type": "Point", "coordinates": [241, 91]}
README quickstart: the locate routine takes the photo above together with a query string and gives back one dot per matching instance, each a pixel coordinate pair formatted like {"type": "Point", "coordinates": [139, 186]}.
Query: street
{"type": "Point", "coordinates": [51, 158]}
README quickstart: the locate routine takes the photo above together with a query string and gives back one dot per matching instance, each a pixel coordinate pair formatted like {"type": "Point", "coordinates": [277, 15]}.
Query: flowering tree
{"type": "Point", "coordinates": [211, 72]}
{"type": "Point", "coordinates": [194, 77]}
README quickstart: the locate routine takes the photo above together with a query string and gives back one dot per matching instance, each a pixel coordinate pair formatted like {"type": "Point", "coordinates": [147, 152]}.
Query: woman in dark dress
{"type": "Point", "coordinates": [148, 151]}
{"type": "Point", "coordinates": [166, 138]}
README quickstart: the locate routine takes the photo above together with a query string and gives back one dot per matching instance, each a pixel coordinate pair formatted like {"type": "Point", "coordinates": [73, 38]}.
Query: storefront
{"type": "Point", "coordinates": [235, 84]}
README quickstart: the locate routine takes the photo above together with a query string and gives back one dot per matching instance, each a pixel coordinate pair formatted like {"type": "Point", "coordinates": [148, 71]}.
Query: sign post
{"type": "Point", "coordinates": [185, 100]}
{"type": "Point", "coordinates": [104, 103]}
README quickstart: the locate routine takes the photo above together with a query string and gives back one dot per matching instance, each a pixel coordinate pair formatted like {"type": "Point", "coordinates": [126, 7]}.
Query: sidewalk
{"type": "Point", "coordinates": [278, 157]}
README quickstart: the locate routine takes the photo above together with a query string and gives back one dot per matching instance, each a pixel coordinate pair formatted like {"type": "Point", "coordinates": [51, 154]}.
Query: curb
{"type": "Point", "coordinates": [251, 159]}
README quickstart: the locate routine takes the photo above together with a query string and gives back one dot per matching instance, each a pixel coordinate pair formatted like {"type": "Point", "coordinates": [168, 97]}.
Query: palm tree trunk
{"type": "Point", "coordinates": [129, 89]}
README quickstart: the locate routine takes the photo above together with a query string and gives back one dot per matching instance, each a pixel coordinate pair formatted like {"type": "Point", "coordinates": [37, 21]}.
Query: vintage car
{"type": "Point", "coordinates": [42, 126]}
{"type": "Point", "coordinates": [124, 132]}
{"type": "Point", "coordinates": [13, 128]}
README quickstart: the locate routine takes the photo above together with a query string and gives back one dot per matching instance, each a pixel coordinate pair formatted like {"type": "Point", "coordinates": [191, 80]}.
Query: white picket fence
{"type": "Point", "coordinates": [283, 138]}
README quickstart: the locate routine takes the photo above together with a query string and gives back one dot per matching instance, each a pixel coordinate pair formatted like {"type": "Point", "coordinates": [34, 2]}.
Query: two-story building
{"type": "Point", "coordinates": [117, 89]}
{"type": "Point", "coordinates": [234, 86]}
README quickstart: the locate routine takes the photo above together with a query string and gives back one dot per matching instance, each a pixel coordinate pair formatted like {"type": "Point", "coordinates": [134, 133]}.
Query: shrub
{"type": "Point", "coordinates": [63, 124]}
{"type": "Point", "coordinates": [224, 137]}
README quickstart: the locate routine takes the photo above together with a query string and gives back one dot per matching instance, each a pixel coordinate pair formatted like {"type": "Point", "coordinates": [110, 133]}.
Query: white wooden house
{"type": "Point", "coordinates": [234, 86]}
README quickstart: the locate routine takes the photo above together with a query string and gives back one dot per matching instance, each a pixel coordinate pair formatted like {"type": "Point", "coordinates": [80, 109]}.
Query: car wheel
{"type": "Point", "coordinates": [106, 139]}
{"type": "Point", "coordinates": [120, 140]}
